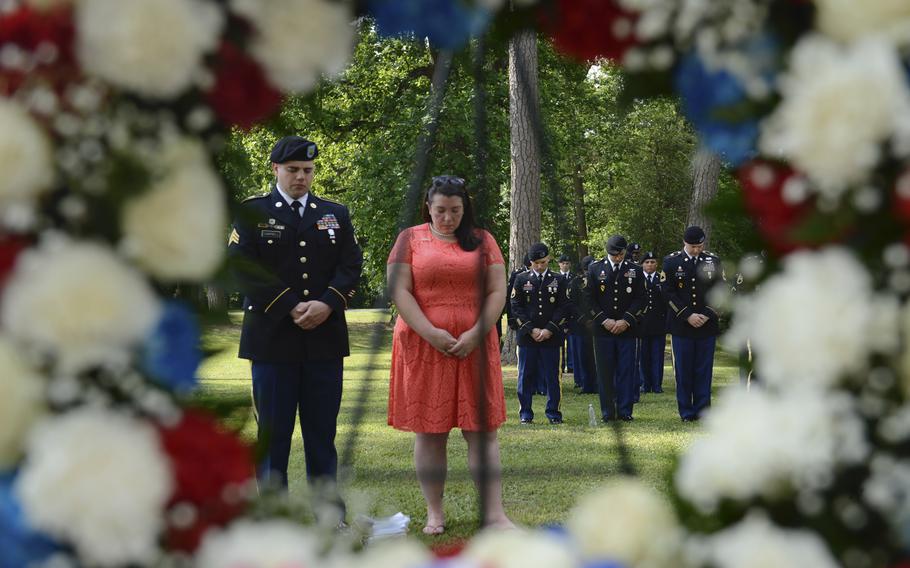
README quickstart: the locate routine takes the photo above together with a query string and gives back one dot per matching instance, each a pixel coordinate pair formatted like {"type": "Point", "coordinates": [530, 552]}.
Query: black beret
{"type": "Point", "coordinates": [564, 258]}
{"type": "Point", "coordinates": [526, 261]}
{"type": "Point", "coordinates": [586, 262]}
{"type": "Point", "coordinates": [293, 148]}
{"type": "Point", "coordinates": [616, 244]}
{"type": "Point", "coordinates": [633, 247]}
{"type": "Point", "coordinates": [538, 251]}
{"type": "Point", "coordinates": [649, 256]}
{"type": "Point", "coordinates": [694, 235]}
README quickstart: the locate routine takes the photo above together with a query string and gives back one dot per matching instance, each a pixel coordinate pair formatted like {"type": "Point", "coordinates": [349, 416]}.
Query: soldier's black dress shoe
{"type": "Point", "coordinates": [626, 418]}
{"type": "Point", "coordinates": [555, 420]}
{"type": "Point", "coordinates": [527, 421]}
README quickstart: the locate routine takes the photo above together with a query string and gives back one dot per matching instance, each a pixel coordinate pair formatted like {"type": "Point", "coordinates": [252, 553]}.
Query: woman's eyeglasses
{"type": "Point", "coordinates": [440, 181]}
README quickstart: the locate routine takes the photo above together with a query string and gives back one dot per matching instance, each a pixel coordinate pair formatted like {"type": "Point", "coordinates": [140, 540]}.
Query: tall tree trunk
{"type": "Point", "coordinates": [705, 174]}
{"type": "Point", "coordinates": [215, 298]}
{"type": "Point", "coordinates": [524, 212]}
{"type": "Point", "coordinates": [581, 225]}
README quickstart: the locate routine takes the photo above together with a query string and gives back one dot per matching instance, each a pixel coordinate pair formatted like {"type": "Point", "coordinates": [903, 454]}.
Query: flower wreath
{"type": "Point", "coordinates": [112, 110]}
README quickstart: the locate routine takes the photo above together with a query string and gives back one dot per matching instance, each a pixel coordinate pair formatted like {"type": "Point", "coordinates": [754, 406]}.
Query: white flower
{"type": "Point", "coordinates": [847, 20]}
{"type": "Point", "coordinates": [152, 47]}
{"type": "Point", "coordinates": [298, 41]}
{"type": "Point", "coordinates": [742, 457]}
{"type": "Point", "coordinates": [98, 479]}
{"type": "Point", "coordinates": [21, 403]}
{"type": "Point", "coordinates": [888, 488]}
{"type": "Point", "coordinates": [518, 549]}
{"type": "Point", "coordinates": [840, 104]}
{"type": "Point", "coordinates": [175, 230]}
{"type": "Point", "coordinates": [78, 302]}
{"type": "Point", "coordinates": [394, 553]}
{"type": "Point", "coordinates": [619, 523]}
{"type": "Point", "coordinates": [25, 158]}
{"type": "Point", "coordinates": [756, 543]}
{"type": "Point", "coordinates": [263, 544]}
{"type": "Point", "coordinates": [816, 321]}
{"type": "Point", "coordinates": [905, 351]}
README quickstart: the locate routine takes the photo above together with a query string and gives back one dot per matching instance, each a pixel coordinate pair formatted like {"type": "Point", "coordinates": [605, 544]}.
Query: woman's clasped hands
{"type": "Point", "coordinates": [448, 345]}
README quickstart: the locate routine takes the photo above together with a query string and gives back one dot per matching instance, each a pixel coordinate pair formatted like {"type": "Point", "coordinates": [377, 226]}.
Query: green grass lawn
{"type": "Point", "coordinates": [545, 467]}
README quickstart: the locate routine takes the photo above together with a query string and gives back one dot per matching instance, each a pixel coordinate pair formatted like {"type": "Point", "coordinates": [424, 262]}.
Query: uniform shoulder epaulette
{"type": "Point", "coordinates": [321, 198]}
{"type": "Point", "coordinates": [711, 254]}
{"type": "Point", "coordinates": [674, 253]}
{"type": "Point", "coordinates": [252, 197]}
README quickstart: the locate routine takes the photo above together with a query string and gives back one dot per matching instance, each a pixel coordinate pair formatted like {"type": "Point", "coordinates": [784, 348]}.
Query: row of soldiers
{"type": "Point", "coordinates": [611, 321]}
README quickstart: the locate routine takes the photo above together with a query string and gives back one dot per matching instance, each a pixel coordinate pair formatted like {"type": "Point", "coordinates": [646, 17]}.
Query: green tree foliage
{"type": "Point", "coordinates": [367, 123]}
{"type": "Point", "coordinates": [633, 161]}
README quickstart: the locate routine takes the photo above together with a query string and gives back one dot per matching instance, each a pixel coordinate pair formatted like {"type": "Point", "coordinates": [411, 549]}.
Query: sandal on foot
{"type": "Point", "coordinates": [434, 530]}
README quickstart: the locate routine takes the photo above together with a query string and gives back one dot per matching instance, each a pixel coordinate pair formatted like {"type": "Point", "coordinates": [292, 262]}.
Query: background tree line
{"type": "Point", "coordinates": [607, 165]}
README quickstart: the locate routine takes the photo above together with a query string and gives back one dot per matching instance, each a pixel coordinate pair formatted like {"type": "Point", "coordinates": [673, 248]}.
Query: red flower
{"type": "Point", "coordinates": [586, 29]}
{"type": "Point", "coordinates": [448, 549]}
{"type": "Point", "coordinates": [10, 248]}
{"type": "Point", "coordinates": [901, 204]}
{"type": "Point", "coordinates": [211, 466]}
{"type": "Point", "coordinates": [902, 196]}
{"type": "Point", "coordinates": [241, 94]}
{"type": "Point", "coordinates": [45, 37]}
{"type": "Point", "coordinates": [764, 186]}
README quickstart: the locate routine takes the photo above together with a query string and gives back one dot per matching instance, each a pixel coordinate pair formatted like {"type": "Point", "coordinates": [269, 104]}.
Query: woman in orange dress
{"type": "Point", "coordinates": [448, 280]}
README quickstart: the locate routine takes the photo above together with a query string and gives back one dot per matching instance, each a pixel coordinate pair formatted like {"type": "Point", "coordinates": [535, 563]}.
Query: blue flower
{"type": "Point", "coordinates": [20, 544]}
{"type": "Point", "coordinates": [448, 24]}
{"type": "Point", "coordinates": [705, 92]}
{"type": "Point", "coordinates": [171, 354]}
{"type": "Point", "coordinates": [602, 564]}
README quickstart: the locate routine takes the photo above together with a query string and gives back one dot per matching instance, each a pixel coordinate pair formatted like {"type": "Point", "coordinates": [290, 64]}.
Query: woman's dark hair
{"type": "Point", "coordinates": [467, 233]}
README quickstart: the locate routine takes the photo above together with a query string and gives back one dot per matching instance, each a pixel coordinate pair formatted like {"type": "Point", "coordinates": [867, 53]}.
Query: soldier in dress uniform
{"type": "Point", "coordinates": [616, 300]}
{"type": "Point", "coordinates": [581, 344]}
{"type": "Point", "coordinates": [525, 266]}
{"type": "Point", "coordinates": [565, 272]}
{"type": "Point", "coordinates": [633, 253]}
{"type": "Point", "coordinates": [690, 274]}
{"type": "Point", "coordinates": [297, 262]}
{"type": "Point", "coordinates": [540, 307]}
{"type": "Point", "coordinates": [653, 329]}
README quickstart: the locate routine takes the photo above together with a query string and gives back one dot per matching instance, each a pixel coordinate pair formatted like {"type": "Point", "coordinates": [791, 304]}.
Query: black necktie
{"type": "Point", "coordinates": [296, 205]}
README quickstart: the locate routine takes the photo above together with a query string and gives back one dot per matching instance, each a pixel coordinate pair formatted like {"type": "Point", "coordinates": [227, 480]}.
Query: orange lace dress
{"type": "Point", "coordinates": [430, 392]}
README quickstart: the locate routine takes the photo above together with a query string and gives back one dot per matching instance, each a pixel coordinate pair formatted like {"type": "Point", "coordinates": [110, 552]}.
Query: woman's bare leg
{"type": "Point", "coordinates": [431, 465]}
{"type": "Point", "coordinates": [478, 443]}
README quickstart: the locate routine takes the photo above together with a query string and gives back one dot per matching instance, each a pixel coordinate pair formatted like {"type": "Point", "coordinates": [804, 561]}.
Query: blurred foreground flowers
{"type": "Point", "coordinates": [112, 111]}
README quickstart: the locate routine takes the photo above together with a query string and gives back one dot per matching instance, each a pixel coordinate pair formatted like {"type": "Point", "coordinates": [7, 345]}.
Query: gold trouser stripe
{"type": "Point", "coordinates": [253, 395]}
{"type": "Point", "coordinates": [340, 295]}
{"type": "Point", "coordinates": [276, 299]}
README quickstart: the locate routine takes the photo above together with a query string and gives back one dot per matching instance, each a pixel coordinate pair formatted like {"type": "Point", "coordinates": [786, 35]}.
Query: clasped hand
{"type": "Point", "coordinates": [697, 320]}
{"type": "Point", "coordinates": [540, 334]}
{"type": "Point", "coordinates": [445, 342]}
{"type": "Point", "coordinates": [308, 315]}
{"type": "Point", "coordinates": [615, 326]}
